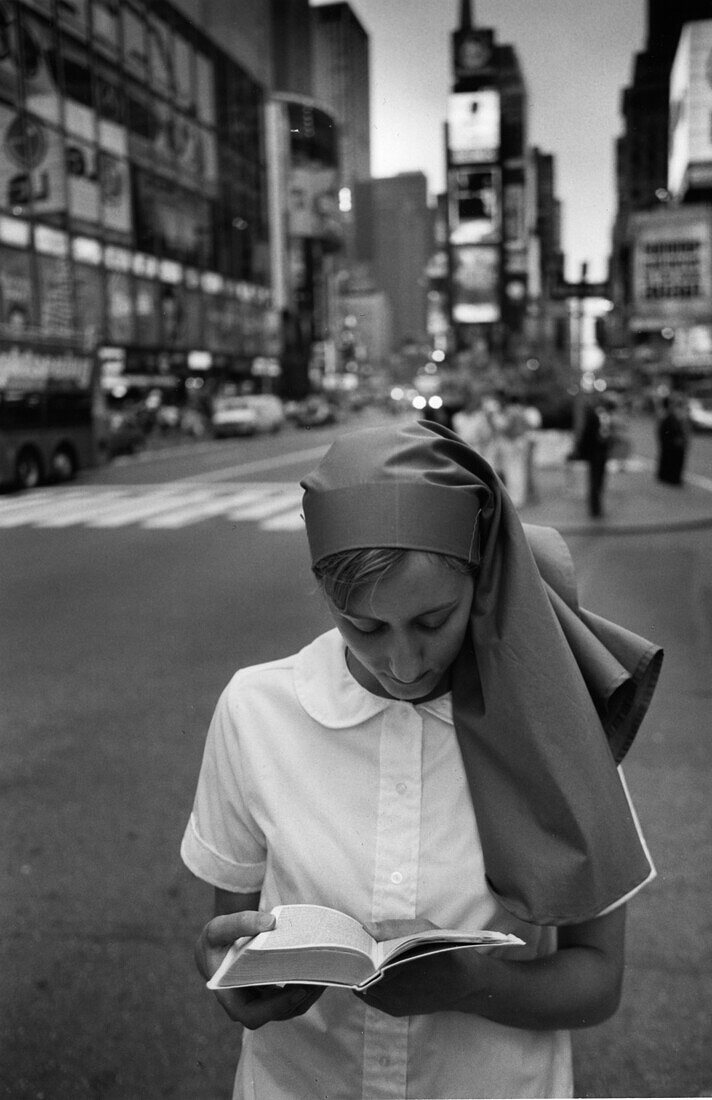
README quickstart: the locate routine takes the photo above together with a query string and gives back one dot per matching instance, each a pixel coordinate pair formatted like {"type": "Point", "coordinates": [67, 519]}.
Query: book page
{"type": "Point", "coordinates": [313, 926]}
{"type": "Point", "coordinates": [438, 939]}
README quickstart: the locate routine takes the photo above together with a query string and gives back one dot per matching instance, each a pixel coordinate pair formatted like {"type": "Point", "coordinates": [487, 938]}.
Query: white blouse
{"type": "Point", "coordinates": [314, 790]}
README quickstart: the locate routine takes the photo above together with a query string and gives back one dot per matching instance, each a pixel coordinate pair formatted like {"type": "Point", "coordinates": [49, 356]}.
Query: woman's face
{"type": "Point", "coordinates": [404, 632]}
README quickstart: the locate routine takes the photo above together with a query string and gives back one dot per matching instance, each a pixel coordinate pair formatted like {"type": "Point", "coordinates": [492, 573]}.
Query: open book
{"type": "Point", "coordinates": [311, 944]}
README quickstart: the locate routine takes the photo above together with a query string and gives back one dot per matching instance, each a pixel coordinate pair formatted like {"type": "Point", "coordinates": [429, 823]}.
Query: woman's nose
{"type": "Point", "coordinates": [405, 660]}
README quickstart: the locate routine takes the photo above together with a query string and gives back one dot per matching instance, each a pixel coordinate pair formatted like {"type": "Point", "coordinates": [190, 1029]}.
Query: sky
{"type": "Point", "coordinates": [576, 56]}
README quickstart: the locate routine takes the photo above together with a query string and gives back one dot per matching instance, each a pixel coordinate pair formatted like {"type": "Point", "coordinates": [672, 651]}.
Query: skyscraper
{"type": "Point", "coordinates": [642, 150]}
{"type": "Point", "coordinates": [341, 74]}
{"type": "Point", "coordinates": [393, 234]}
{"type": "Point", "coordinates": [486, 154]}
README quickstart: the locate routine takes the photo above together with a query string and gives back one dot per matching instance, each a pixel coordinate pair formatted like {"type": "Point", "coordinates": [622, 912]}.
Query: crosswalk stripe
{"type": "Point", "coordinates": [275, 506]}
{"type": "Point", "coordinates": [182, 517]}
{"type": "Point", "coordinates": [290, 521]}
{"type": "Point", "coordinates": [144, 508]}
{"type": "Point", "coordinates": [13, 511]}
{"type": "Point", "coordinates": [80, 511]}
{"type": "Point", "coordinates": [264, 508]}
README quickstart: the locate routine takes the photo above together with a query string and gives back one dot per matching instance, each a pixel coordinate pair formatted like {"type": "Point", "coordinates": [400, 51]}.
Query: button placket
{"type": "Point", "coordinates": [395, 883]}
{"type": "Point", "coordinates": [398, 826]}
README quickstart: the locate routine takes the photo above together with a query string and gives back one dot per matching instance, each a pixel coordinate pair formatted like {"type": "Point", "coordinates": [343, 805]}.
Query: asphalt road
{"type": "Point", "coordinates": [123, 612]}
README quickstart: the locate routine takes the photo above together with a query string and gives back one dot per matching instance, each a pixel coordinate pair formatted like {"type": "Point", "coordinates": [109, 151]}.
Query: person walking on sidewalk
{"type": "Point", "coordinates": [593, 446]}
{"type": "Point", "coordinates": [445, 756]}
{"type": "Point", "coordinates": [673, 432]}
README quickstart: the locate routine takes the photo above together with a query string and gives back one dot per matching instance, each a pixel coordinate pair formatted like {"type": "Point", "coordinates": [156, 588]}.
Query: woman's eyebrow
{"type": "Point", "coordinates": [420, 614]}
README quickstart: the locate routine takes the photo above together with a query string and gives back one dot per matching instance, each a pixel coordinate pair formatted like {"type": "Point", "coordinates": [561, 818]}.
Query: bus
{"type": "Point", "coordinates": [53, 417]}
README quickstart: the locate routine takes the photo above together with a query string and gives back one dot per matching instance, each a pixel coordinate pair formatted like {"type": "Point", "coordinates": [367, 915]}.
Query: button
{"type": "Point", "coordinates": [401, 788]}
{"type": "Point", "coordinates": [396, 878]}
{"type": "Point", "coordinates": [384, 1060]}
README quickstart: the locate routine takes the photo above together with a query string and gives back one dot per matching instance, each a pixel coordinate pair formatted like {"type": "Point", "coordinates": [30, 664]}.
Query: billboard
{"type": "Point", "coordinates": [690, 145]}
{"type": "Point", "coordinates": [473, 127]}
{"type": "Point", "coordinates": [474, 214]}
{"type": "Point", "coordinates": [475, 284]}
{"type": "Point", "coordinates": [314, 203]}
{"type": "Point", "coordinates": [32, 164]}
{"type": "Point", "coordinates": [672, 266]}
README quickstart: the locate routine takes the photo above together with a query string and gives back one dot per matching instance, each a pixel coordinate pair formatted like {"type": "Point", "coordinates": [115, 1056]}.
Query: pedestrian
{"type": "Point", "coordinates": [515, 434]}
{"type": "Point", "coordinates": [446, 754]}
{"type": "Point", "coordinates": [620, 447]}
{"type": "Point", "coordinates": [673, 432]}
{"type": "Point", "coordinates": [593, 446]}
{"type": "Point", "coordinates": [474, 426]}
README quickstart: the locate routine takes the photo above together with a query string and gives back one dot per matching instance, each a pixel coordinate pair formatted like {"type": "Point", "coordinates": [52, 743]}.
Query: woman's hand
{"type": "Point", "coordinates": [252, 1006]}
{"type": "Point", "coordinates": [430, 984]}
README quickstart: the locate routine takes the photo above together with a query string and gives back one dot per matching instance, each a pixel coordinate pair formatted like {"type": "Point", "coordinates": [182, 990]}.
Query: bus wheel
{"type": "Point", "coordinates": [28, 469]}
{"type": "Point", "coordinates": [64, 464]}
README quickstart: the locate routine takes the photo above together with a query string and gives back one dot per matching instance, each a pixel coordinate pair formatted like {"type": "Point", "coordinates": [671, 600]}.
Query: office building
{"type": "Point", "coordinates": [393, 235]}
{"type": "Point", "coordinates": [341, 75]}
{"type": "Point", "coordinates": [642, 160]}
{"type": "Point", "coordinates": [133, 204]}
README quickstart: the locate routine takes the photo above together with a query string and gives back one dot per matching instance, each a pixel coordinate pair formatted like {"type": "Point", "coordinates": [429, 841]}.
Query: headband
{"type": "Point", "coordinates": [401, 487]}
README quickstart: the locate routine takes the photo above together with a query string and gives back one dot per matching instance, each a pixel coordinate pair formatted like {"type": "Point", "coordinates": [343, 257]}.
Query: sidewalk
{"type": "Point", "coordinates": [634, 501]}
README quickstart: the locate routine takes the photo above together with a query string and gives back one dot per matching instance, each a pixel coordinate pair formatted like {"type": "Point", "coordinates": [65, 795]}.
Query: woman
{"type": "Point", "coordinates": [438, 758]}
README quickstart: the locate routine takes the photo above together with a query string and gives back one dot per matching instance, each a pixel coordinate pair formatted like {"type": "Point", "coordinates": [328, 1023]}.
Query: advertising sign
{"type": "Point", "coordinates": [474, 206]}
{"type": "Point", "coordinates": [314, 203]}
{"type": "Point", "coordinates": [32, 171]}
{"type": "Point", "coordinates": [119, 307]}
{"type": "Point", "coordinates": [38, 371]}
{"type": "Point", "coordinates": [475, 282]}
{"type": "Point", "coordinates": [16, 293]}
{"type": "Point", "coordinates": [55, 282]}
{"type": "Point", "coordinates": [170, 220]}
{"type": "Point", "coordinates": [515, 233]}
{"type": "Point", "coordinates": [692, 347]}
{"type": "Point", "coordinates": [672, 265]}
{"type": "Point", "coordinates": [41, 92]}
{"type": "Point", "coordinates": [473, 127]}
{"type": "Point", "coordinates": [690, 156]}
{"type": "Point", "coordinates": [89, 291]}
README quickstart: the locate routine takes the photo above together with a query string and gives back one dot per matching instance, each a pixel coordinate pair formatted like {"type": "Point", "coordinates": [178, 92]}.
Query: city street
{"type": "Point", "coordinates": [127, 600]}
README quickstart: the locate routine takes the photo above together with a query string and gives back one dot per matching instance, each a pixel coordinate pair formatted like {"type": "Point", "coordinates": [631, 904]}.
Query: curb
{"type": "Point", "coordinates": [696, 515]}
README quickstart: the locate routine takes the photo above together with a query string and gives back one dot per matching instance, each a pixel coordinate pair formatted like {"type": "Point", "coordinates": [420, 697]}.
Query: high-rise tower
{"type": "Point", "coordinates": [486, 147]}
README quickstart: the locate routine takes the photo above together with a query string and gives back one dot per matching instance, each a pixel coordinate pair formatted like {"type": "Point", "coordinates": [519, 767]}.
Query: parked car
{"type": "Point", "coordinates": [315, 412]}
{"type": "Point", "coordinates": [233, 416]}
{"type": "Point", "coordinates": [268, 409]}
{"type": "Point", "coordinates": [700, 413]}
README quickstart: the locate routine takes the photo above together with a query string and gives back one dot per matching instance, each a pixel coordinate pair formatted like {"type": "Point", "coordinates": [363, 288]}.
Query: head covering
{"type": "Point", "coordinates": [547, 697]}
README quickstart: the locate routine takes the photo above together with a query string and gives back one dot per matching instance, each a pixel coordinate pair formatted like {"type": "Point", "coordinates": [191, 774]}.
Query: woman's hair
{"type": "Point", "coordinates": [341, 574]}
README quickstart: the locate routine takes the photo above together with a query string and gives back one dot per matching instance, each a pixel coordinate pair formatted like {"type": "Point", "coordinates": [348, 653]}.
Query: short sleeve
{"type": "Point", "coordinates": [222, 843]}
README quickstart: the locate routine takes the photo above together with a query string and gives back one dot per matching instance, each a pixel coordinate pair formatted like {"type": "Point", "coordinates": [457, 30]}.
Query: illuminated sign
{"type": "Point", "coordinates": [473, 127]}
{"type": "Point", "coordinates": [475, 281]}
{"type": "Point", "coordinates": [474, 205]}
{"type": "Point", "coordinates": [672, 264]}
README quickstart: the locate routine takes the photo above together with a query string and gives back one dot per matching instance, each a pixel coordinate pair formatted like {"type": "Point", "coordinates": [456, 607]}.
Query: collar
{"type": "Point", "coordinates": [331, 696]}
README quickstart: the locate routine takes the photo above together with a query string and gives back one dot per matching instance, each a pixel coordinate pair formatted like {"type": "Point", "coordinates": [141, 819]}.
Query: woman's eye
{"type": "Point", "coordinates": [433, 626]}
{"type": "Point", "coordinates": [367, 629]}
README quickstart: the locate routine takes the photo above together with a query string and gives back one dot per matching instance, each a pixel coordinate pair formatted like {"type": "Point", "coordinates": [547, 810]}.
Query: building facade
{"type": "Point", "coordinates": [133, 195]}
{"type": "Point", "coordinates": [341, 68]}
{"type": "Point", "coordinates": [393, 235]}
{"type": "Point", "coordinates": [653, 178]}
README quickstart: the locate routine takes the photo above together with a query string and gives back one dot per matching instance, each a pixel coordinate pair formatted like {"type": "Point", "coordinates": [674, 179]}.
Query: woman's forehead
{"type": "Point", "coordinates": [419, 583]}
